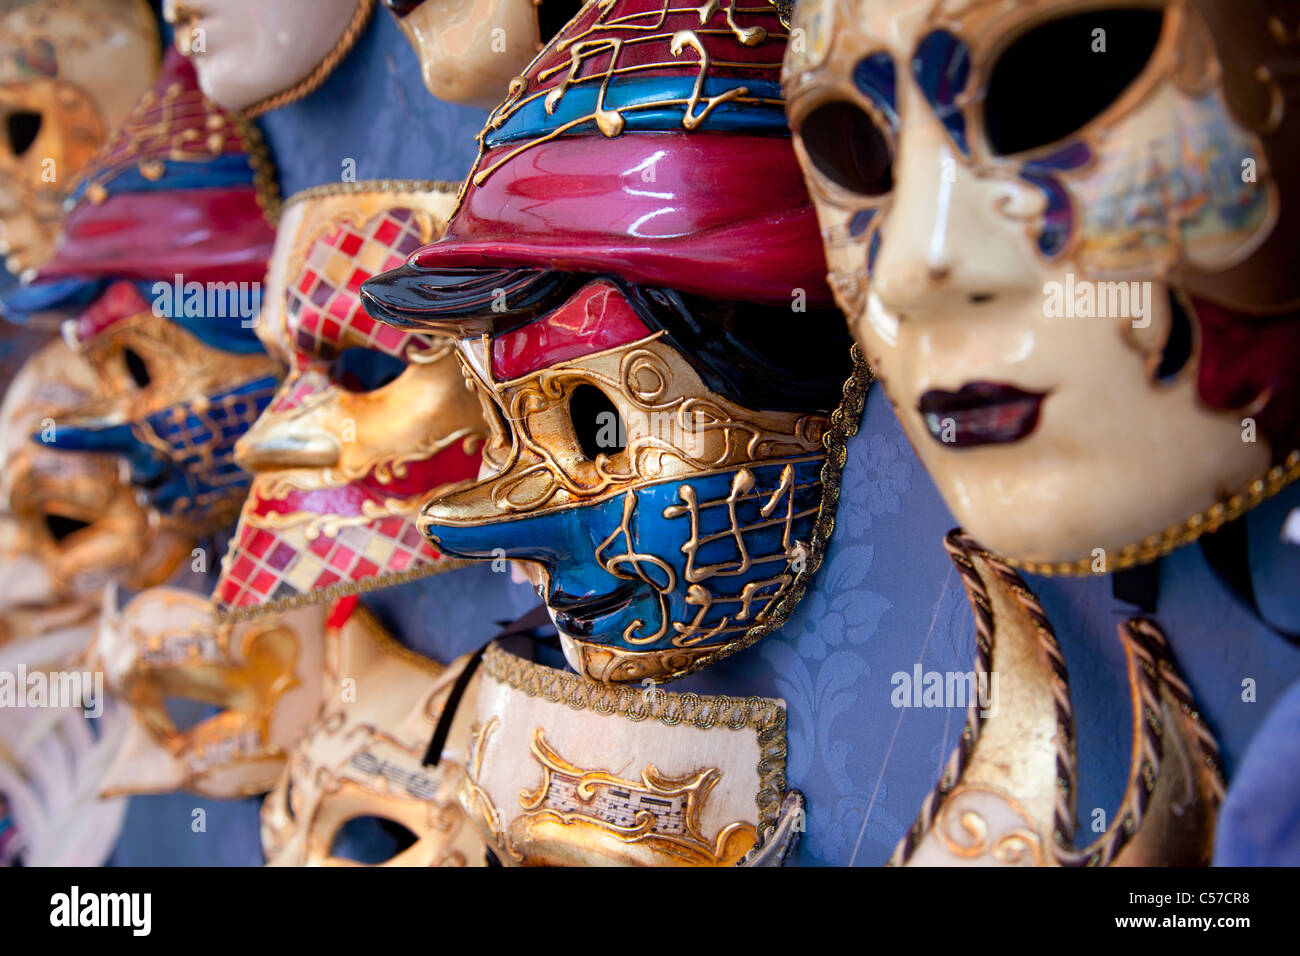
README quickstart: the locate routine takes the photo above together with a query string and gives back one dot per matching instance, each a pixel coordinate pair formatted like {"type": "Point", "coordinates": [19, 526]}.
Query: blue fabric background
{"type": "Point", "coordinates": [887, 596]}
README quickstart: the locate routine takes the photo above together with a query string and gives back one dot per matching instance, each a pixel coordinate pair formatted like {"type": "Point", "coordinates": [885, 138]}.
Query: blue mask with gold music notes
{"type": "Point", "coordinates": [658, 457]}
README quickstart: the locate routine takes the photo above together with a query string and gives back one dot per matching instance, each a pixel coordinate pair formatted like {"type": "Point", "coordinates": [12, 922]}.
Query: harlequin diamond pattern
{"type": "Point", "coordinates": [268, 565]}
{"type": "Point", "coordinates": [323, 304]}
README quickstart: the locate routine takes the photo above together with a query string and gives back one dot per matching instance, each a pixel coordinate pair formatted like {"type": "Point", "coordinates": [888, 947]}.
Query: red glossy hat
{"type": "Point", "coordinates": [183, 187]}
{"type": "Point", "coordinates": [648, 142]}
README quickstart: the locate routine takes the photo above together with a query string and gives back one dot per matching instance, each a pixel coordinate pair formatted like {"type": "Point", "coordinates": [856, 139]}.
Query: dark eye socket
{"type": "Point", "coordinates": [62, 526]}
{"type": "Point", "coordinates": [848, 148]}
{"type": "Point", "coordinates": [365, 370]}
{"type": "Point", "coordinates": [371, 840]}
{"type": "Point", "coordinates": [552, 15]}
{"type": "Point", "coordinates": [136, 367]}
{"type": "Point", "coordinates": [22, 127]}
{"type": "Point", "coordinates": [1050, 81]}
{"type": "Point", "coordinates": [596, 422]}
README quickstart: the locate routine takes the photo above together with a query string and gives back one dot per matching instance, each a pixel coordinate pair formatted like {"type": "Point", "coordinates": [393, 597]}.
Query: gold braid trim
{"type": "Point", "coordinates": [266, 184]}
{"type": "Point", "coordinates": [1175, 536]}
{"type": "Point", "coordinates": [369, 186]}
{"type": "Point", "coordinates": [316, 77]}
{"type": "Point", "coordinates": [764, 716]}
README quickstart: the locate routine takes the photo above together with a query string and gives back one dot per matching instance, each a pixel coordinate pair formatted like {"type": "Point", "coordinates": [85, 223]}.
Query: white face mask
{"type": "Point", "coordinates": [1009, 269]}
{"type": "Point", "coordinates": [252, 56]}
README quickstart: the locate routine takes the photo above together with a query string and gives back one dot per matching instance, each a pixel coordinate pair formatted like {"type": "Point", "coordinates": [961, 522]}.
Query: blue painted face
{"type": "Point", "coordinates": [186, 384]}
{"type": "Point", "coordinates": [669, 519]}
{"type": "Point", "coordinates": [182, 457]}
{"type": "Point", "coordinates": [678, 564]}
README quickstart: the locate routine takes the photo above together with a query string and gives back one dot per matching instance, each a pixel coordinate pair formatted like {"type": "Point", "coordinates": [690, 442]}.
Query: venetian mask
{"type": "Point", "coordinates": [214, 708]}
{"type": "Point", "coordinates": [253, 56]}
{"type": "Point", "coordinates": [368, 425]}
{"type": "Point", "coordinates": [470, 50]}
{"type": "Point", "coordinates": [355, 790]}
{"type": "Point", "coordinates": [170, 227]}
{"type": "Point", "coordinates": [69, 526]}
{"type": "Point", "coordinates": [69, 72]}
{"type": "Point", "coordinates": [1057, 229]}
{"type": "Point", "coordinates": [563, 771]}
{"type": "Point", "coordinates": [662, 380]}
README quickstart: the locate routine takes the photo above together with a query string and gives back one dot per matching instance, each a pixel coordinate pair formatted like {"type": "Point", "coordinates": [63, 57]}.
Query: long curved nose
{"type": "Point", "coordinates": [290, 445]}
{"type": "Point", "coordinates": [954, 235]}
{"type": "Point", "coordinates": [288, 437]}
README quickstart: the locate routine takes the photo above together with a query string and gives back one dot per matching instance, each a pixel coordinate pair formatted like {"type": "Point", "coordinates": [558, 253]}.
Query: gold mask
{"type": "Point", "coordinates": [1007, 794]}
{"type": "Point", "coordinates": [362, 760]}
{"type": "Point", "coordinates": [70, 523]}
{"type": "Point", "coordinates": [177, 406]}
{"type": "Point", "coordinates": [470, 50]}
{"type": "Point", "coordinates": [566, 771]}
{"type": "Point", "coordinates": [70, 70]}
{"type": "Point", "coordinates": [265, 677]}
{"type": "Point", "coordinates": [369, 425]}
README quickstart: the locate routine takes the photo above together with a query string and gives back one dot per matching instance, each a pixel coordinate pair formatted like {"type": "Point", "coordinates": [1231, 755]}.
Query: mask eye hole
{"type": "Point", "coordinates": [1055, 78]}
{"type": "Point", "coordinates": [552, 15]}
{"type": "Point", "coordinates": [186, 714]}
{"type": "Point", "coordinates": [848, 148]}
{"type": "Point", "coordinates": [371, 840]}
{"type": "Point", "coordinates": [365, 370]}
{"type": "Point", "coordinates": [22, 127]}
{"type": "Point", "coordinates": [596, 422]}
{"type": "Point", "coordinates": [62, 527]}
{"type": "Point", "coordinates": [136, 367]}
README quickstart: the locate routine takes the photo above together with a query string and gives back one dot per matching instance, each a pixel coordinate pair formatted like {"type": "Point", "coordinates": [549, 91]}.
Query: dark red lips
{"type": "Point", "coordinates": [980, 413]}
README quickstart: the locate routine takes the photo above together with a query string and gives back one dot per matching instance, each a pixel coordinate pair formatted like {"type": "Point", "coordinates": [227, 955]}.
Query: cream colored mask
{"type": "Point", "coordinates": [1058, 231]}
{"type": "Point", "coordinates": [252, 56]}
{"type": "Point", "coordinates": [470, 50]}
{"type": "Point", "coordinates": [370, 423]}
{"type": "Point", "coordinates": [70, 70]}
{"type": "Point", "coordinates": [264, 679]}
{"type": "Point", "coordinates": [355, 791]}
{"type": "Point", "coordinates": [564, 771]}
{"type": "Point", "coordinates": [69, 523]}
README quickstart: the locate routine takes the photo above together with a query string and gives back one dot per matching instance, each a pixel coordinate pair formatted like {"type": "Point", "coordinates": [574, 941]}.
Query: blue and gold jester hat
{"type": "Point", "coordinates": [168, 235]}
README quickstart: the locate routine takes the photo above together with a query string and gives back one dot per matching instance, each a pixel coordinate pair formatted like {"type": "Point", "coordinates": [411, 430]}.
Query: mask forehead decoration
{"type": "Point", "coordinates": [991, 811]}
{"type": "Point", "coordinates": [361, 763]}
{"type": "Point", "coordinates": [470, 50]}
{"type": "Point", "coordinates": [69, 525]}
{"type": "Point", "coordinates": [1060, 235]}
{"type": "Point", "coordinates": [254, 57]}
{"type": "Point", "coordinates": [69, 72]}
{"type": "Point", "coordinates": [371, 421]}
{"type": "Point", "coordinates": [258, 684]}
{"type": "Point", "coordinates": [548, 781]}
{"type": "Point", "coordinates": [673, 402]}
{"type": "Point", "coordinates": [170, 227]}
